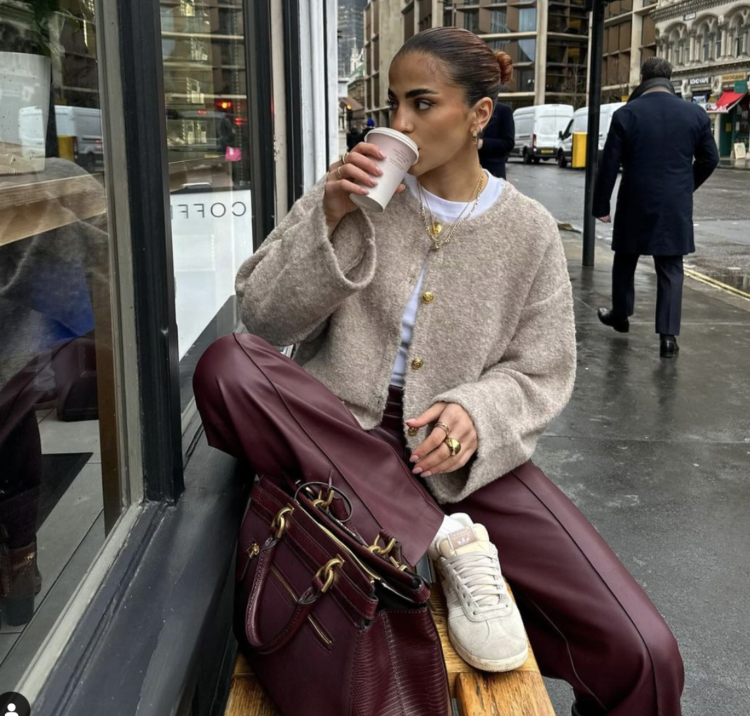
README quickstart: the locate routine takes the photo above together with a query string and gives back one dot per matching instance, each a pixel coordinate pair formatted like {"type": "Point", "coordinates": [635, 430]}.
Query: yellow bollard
{"type": "Point", "coordinates": [578, 160]}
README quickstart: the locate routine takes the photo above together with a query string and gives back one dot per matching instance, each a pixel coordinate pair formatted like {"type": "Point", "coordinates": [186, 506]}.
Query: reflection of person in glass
{"type": "Point", "coordinates": [46, 256]}
{"type": "Point", "coordinates": [227, 134]}
{"type": "Point", "coordinates": [435, 342]}
{"type": "Point", "coordinates": [46, 357]}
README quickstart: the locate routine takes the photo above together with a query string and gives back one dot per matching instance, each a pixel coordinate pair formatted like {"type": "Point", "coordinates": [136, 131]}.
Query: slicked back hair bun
{"type": "Point", "coordinates": [468, 60]}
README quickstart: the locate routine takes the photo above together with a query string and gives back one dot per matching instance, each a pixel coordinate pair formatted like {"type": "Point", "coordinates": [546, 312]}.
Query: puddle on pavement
{"type": "Point", "coordinates": [735, 277]}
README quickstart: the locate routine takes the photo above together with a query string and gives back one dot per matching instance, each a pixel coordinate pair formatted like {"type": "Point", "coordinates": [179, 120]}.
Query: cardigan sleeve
{"type": "Point", "coordinates": [514, 400]}
{"type": "Point", "coordinates": [289, 288]}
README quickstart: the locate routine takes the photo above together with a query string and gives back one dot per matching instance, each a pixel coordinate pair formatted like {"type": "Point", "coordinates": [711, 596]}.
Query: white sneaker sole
{"type": "Point", "coordinates": [494, 665]}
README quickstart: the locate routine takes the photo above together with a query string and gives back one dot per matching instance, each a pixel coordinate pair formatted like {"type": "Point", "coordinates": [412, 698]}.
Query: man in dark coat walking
{"type": "Point", "coordinates": [498, 140]}
{"type": "Point", "coordinates": [666, 150]}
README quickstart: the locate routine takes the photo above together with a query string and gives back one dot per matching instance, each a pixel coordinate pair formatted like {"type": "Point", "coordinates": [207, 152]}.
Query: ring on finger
{"type": "Point", "coordinates": [453, 445]}
{"type": "Point", "coordinates": [338, 173]}
{"type": "Point", "coordinates": [443, 426]}
{"type": "Point", "coordinates": [343, 157]}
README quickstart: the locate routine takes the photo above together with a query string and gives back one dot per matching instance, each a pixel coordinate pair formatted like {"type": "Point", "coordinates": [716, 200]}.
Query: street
{"type": "Point", "coordinates": [655, 452]}
{"type": "Point", "coordinates": [721, 215]}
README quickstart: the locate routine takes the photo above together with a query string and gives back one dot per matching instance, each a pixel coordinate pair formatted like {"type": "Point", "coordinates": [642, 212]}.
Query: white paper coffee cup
{"type": "Point", "coordinates": [400, 154]}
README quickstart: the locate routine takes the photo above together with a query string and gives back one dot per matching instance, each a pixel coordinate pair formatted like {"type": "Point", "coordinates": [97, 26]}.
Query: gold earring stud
{"type": "Point", "coordinates": [474, 135]}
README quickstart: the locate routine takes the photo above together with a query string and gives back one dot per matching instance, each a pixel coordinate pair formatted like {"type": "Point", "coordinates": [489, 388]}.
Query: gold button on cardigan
{"type": "Point", "coordinates": [501, 343]}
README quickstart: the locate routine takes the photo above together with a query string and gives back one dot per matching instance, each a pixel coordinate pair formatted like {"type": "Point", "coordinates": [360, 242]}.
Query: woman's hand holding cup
{"type": "Point", "coordinates": [353, 177]}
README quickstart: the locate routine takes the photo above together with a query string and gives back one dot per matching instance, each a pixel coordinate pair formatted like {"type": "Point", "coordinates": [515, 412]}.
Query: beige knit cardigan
{"type": "Point", "coordinates": [498, 337]}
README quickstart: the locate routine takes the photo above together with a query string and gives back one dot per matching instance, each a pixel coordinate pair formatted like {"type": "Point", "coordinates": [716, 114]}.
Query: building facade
{"type": "Point", "coordinates": [708, 44]}
{"type": "Point", "coordinates": [351, 34]}
{"type": "Point", "coordinates": [629, 40]}
{"type": "Point", "coordinates": [546, 39]}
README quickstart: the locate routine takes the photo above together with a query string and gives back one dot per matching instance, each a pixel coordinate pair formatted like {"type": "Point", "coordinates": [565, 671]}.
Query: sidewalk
{"type": "Point", "coordinates": [656, 453]}
{"type": "Point", "coordinates": [742, 165]}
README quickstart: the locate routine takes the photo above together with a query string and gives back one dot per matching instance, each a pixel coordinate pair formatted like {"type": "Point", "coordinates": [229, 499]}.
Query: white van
{"type": "Point", "coordinates": [580, 123]}
{"type": "Point", "coordinates": [538, 129]}
{"type": "Point", "coordinates": [83, 124]}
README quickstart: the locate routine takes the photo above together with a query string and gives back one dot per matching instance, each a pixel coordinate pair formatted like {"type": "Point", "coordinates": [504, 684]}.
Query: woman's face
{"type": "Point", "coordinates": [432, 111]}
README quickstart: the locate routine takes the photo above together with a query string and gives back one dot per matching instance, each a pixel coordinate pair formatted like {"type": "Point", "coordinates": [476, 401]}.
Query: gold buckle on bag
{"type": "Point", "coordinates": [400, 567]}
{"type": "Point", "coordinates": [325, 573]}
{"type": "Point", "coordinates": [320, 502]}
{"type": "Point", "coordinates": [386, 552]}
{"type": "Point", "coordinates": [279, 523]}
{"type": "Point", "coordinates": [375, 547]}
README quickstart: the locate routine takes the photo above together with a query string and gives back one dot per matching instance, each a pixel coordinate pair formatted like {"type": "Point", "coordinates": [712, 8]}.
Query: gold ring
{"type": "Point", "coordinates": [444, 427]}
{"type": "Point", "coordinates": [338, 173]}
{"type": "Point", "coordinates": [343, 157]}
{"type": "Point", "coordinates": [453, 445]}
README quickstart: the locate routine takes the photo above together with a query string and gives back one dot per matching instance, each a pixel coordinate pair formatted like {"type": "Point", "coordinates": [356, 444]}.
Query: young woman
{"type": "Point", "coordinates": [440, 335]}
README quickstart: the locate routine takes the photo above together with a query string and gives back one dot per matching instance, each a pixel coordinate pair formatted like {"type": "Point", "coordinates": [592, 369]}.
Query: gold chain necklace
{"type": "Point", "coordinates": [435, 228]}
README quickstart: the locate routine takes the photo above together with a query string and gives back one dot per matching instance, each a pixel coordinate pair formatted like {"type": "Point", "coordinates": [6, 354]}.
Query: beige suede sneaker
{"type": "Point", "coordinates": [484, 624]}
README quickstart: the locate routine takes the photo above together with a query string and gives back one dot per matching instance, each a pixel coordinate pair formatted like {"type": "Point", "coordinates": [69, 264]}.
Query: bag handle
{"type": "Point", "coordinates": [321, 583]}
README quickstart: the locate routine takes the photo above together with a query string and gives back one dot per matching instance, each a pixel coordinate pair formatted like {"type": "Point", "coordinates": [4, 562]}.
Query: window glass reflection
{"type": "Point", "coordinates": [209, 168]}
{"type": "Point", "coordinates": [60, 491]}
{"type": "Point", "coordinates": [527, 19]}
{"type": "Point", "coordinates": [526, 50]}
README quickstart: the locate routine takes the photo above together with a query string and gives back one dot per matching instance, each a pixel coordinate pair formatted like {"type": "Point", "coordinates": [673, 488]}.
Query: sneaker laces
{"type": "Point", "coordinates": [481, 576]}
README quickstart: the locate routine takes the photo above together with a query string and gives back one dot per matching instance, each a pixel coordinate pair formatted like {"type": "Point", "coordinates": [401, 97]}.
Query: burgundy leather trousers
{"type": "Point", "coordinates": [588, 620]}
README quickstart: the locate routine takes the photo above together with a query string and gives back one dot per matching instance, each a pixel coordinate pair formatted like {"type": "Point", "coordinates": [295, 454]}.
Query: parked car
{"type": "Point", "coordinates": [83, 124]}
{"type": "Point", "coordinates": [580, 123]}
{"type": "Point", "coordinates": [538, 129]}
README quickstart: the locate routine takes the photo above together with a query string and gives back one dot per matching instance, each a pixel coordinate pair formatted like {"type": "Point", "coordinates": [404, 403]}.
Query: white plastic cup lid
{"type": "Point", "coordinates": [396, 135]}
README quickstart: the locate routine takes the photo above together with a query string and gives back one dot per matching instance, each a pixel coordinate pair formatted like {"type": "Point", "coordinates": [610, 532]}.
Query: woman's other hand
{"type": "Point", "coordinates": [433, 455]}
{"type": "Point", "coordinates": [359, 172]}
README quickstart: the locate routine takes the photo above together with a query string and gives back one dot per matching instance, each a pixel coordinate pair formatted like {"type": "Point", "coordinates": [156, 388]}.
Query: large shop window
{"type": "Point", "coordinates": [209, 168]}
{"type": "Point", "coordinates": [60, 476]}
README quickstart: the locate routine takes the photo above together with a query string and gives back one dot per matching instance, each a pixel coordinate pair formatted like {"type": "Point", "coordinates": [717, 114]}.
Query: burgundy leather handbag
{"type": "Point", "coordinates": [333, 625]}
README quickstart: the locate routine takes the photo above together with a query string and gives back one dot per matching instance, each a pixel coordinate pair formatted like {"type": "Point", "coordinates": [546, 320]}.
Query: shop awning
{"type": "Point", "coordinates": [727, 101]}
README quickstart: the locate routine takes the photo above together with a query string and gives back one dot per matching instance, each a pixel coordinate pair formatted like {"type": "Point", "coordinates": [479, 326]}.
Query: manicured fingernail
{"type": "Point", "coordinates": [414, 458]}
{"type": "Point", "coordinates": [373, 182]}
{"type": "Point", "coordinates": [379, 171]}
{"type": "Point", "coordinates": [381, 155]}
{"type": "Point", "coordinates": [427, 474]}
{"type": "Point", "coordinates": [417, 470]}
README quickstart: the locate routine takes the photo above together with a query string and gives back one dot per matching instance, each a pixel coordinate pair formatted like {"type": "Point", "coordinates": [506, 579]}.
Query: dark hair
{"type": "Point", "coordinates": [656, 67]}
{"type": "Point", "coordinates": [467, 59]}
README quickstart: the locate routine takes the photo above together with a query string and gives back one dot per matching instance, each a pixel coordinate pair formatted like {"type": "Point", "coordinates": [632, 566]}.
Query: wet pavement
{"type": "Point", "coordinates": [721, 215]}
{"type": "Point", "coordinates": [656, 453]}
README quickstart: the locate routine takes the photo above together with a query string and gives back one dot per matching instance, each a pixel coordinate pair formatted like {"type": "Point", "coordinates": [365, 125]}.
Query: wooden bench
{"type": "Point", "coordinates": [515, 693]}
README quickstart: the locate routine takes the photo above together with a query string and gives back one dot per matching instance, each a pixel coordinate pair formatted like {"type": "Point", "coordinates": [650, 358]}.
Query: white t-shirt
{"type": "Point", "coordinates": [447, 212]}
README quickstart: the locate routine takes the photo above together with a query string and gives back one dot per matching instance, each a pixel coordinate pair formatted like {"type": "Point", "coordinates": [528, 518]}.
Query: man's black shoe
{"type": "Point", "coordinates": [619, 324]}
{"type": "Point", "coordinates": [668, 347]}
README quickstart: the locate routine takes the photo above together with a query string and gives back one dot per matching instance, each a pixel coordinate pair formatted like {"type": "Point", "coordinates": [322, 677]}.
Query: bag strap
{"type": "Point", "coordinates": [320, 584]}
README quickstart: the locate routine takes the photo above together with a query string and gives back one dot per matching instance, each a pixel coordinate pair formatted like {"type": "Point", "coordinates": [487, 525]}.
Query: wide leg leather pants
{"type": "Point", "coordinates": [588, 620]}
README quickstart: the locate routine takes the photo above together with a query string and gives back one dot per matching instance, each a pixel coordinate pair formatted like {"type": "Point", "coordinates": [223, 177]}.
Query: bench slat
{"type": "Point", "coordinates": [248, 698]}
{"type": "Point", "coordinates": [515, 693]}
